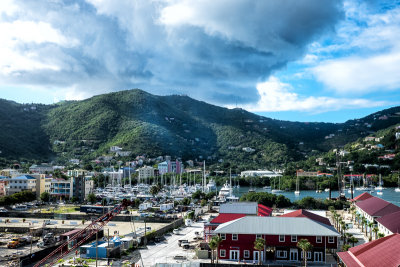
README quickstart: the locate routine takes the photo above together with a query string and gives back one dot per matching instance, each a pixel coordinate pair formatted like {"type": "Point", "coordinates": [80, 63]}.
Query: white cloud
{"type": "Point", "coordinates": [357, 75]}
{"type": "Point", "coordinates": [278, 96]}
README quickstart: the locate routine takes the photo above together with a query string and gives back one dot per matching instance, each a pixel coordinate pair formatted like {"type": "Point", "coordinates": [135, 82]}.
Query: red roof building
{"type": "Point", "coordinates": [362, 197]}
{"type": "Point", "coordinates": [375, 207]}
{"type": "Point", "coordinates": [381, 252]}
{"type": "Point", "coordinates": [242, 208]}
{"type": "Point", "coordinates": [389, 224]}
{"type": "Point", "coordinates": [307, 214]}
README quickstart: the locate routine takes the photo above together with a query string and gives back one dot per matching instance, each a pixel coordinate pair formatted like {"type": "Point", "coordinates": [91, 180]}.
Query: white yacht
{"type": "Point", "coordinates": [211, 186]}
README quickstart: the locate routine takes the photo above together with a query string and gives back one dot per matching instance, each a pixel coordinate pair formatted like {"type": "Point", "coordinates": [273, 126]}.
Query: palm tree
{"type": "Point", "coordinates": [217, 239]}
{"type": "Point", "coordinates": [375, 230]}
{"type": "Point", "coordinates": [305, 246]}
{"type": "Point", "coordinates": [352, 240]}
{"type": "Point", "coordinates": [353, 212]}
{"type": "Point", "coordinates": [342, 227]}
{"type": "Point", "coordinates": [363, 221]}
{"type": "Point", "coordinates": [370, 224]}
{"type": "Point", "coordinates": [380, 235]}
{"type": "Point", "coordinates": [259, 245]}
{"type": "Point", "coordinates": [358, 216]}
{"type": "Point", "coordinates": [213, 246]}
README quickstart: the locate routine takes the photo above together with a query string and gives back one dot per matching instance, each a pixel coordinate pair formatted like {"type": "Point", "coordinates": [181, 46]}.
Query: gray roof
{"type": "Point", "coordinates": [276, 226]}
{"type": "Point", "coordinates": [239, 207]}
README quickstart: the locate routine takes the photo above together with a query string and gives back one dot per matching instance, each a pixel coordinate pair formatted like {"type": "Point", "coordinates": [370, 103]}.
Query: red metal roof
{"type": "Point", "coordinates": [381, 252]}
{"type": "Point", "coordinates": [363, 196]}
{"type": "Point", "coordinates": [309, 215]}
{"type": "Point", "coordinates": [226, 217]}
{"type": "Point", "coordinates": [391, 221]}
{"type": "Point", "coordinates": [264, 210]}
{"type": "Point", "coordinates": [377, 207]}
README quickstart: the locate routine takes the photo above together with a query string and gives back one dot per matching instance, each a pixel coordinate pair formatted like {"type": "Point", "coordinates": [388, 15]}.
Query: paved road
{"type": "Point", "coordinates": [164, 252]}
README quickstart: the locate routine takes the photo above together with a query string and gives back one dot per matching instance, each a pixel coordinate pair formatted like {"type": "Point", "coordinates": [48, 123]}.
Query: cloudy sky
{"type": "Point", "coordinates": [307, 60]}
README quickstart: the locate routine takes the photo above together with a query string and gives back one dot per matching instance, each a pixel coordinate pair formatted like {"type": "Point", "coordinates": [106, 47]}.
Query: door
{"type": "Point", "coordinates": [318, 256]}
{"type": "Point", "coordinates": [234, 254]}
{"type": "Point", "coordinates": [256, 255]}
{"type": "Point", "coordinates": [293, 256]}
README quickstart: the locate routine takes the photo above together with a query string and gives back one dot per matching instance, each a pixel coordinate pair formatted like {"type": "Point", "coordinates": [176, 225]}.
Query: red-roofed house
{"type": "Point", "coordinates": [307, 214]}
{"type": "Point", "coordinates": [389, 224]}
{"type": "Point", "coordinates": [233, 211]}
{"type": "Point", "coordinates": [375, 207]}
{"type": "Point", "coordinates": [361, 197]}
{"type": "Point", "coordinates": [381, 252]}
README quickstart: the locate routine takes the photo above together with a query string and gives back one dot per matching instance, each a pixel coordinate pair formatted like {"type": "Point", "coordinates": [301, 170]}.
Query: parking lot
{"type": "Point", "coordinates": [169, 251]}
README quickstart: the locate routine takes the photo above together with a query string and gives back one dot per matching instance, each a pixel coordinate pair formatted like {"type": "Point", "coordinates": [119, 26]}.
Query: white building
{"type": "Point", "coordinates": [21, 183]}
{"type": "Point", "coordinates": [145, 172]}
{"type": "Point", "coordinates": [260, 173]}
{"type": "Point", "coordinates": [44, 168]}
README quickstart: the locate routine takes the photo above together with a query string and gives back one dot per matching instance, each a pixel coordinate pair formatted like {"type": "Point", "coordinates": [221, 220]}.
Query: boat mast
{"type": "Point", "coordinates": [230, 182]}
{"type": "Point", "coordinates": [204, 175]}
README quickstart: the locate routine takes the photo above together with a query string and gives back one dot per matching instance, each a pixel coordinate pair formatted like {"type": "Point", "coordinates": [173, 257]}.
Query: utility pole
{"type": "Point", "coordinates": [97, 246]}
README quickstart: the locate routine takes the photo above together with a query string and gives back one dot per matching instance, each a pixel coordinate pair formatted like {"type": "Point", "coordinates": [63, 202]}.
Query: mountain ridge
{"type": "Point", "coordinates": [175, 125]}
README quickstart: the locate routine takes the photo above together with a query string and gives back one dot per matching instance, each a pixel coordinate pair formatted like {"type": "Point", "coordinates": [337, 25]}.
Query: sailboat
{"type": "Point", "coordinates": [277, 190]}
{"type": "Point", "coordinates": [351, 184]}
{"type": "Point", "coordinates": [398, 185]}
{"type": "Point", "coordinates": [318, 188]}
{"type": "Point", "coordinates": [379, 188]}
{"type": "Point", "coordinates": [297, 192]}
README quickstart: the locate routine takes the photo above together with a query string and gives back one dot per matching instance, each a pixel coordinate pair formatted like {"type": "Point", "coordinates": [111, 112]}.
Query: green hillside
{"type": "Point", "coordinates": [169, 125]}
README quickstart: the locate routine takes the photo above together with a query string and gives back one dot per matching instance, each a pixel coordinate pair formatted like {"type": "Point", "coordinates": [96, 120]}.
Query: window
{"type": "Point", "coordinates": [281, 238]}
{"type": "Point", "coordinates": [281, 254]}
{"type": "Point", "coordinates": [331, 239]}
{"type": "Point", "coordinates": [222, 253]}
{"type": "Point", "coordinates": [319, 239]}
{"type": "Point", "coordinates": [308, 254]}
{"type": "Point", "coordinates": [234, 237]}
{"type": "Point", "coordinates": [294, 238]}
{"type": "Point", "coordinates": [247, 254]}
{"type": "Point", "coordinates": [223, 236]}
{"type": "Point", "coordinates": [258, 236]}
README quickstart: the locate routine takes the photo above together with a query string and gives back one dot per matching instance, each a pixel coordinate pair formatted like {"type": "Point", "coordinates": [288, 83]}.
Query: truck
{"type": "Point", "coordinates": [16, 242]}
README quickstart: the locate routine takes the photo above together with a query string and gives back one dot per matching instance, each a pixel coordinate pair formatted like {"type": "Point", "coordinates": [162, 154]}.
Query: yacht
{"type": "Point", "coordinates": [211, 186]}
{"type": "Point", "coordinates": [379, 187]}
{"type": "Point", "coordinates": [327, 190]}
{"type": "Point", "coordinates": [225, 191]}
{"type": "Point", "coordinates": [277, 190]}
{"type": "Point", "coordinates": [398, 185]}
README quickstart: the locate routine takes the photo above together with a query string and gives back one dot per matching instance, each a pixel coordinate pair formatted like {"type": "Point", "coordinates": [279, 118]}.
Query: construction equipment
{"type": "Point", "coordinates": [73, 243]}
{"type": "Point", "coordinates": [16, 242]}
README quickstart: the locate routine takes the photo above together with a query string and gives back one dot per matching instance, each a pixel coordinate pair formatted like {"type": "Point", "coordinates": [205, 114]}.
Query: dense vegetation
{"type": "Point", "coordinates": [280, 201]}
{"type": "Point", "coordinates": [169, 125]}
{"type": "Point", "coordinates": [24, 196]}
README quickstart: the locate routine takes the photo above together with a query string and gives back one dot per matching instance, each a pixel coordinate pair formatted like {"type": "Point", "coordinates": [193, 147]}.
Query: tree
{"type": "Point", "coordinates": [305, 246]}
{"type": "Point", "coordinates": [352, 240]}
{"type": "Point", "coordinates": [370, 224]}
{"type": "Point", "coordinates": [363, 221]}
{"type": "Point", "coordinates": [375, 230]}
{"type": "Point", "coordinates": [74, 199]}
{"type": "Point", "coordinates": [217, 240]}
{"type": "Point", "coordinates": [345, 247]}
{"type": "Point", "coordinates": [213, 245]}
{"type": "Point", "coordinates": [259, 245]}
{"type": "Point", "coordinates": [45, 197]}
{"type": "Point", "coordinates": [91, 198]}
{"type": "Point", "coordinates": [380, 235]}
{"type": "Point", "coordinates": [154, 190]}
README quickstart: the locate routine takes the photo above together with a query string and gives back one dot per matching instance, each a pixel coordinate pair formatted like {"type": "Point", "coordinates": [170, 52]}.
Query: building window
{"type": "Point", "coordinates": [247, 254]}
{"type": "Point", "coordinates": [319, 239]}
{"type": "Point", "coordinates": [222, 253]}
{"type": "Point", "coordinates": [281, 238]}
{"type": "Point", "coordinates": [308, 254]}
{"type": "Point", "coordinates": [258, 236]}
{"type": "Point", "coordinates": [331, 239]}
{"type": "Point", "coordinates": [294, 238]}
{"type": "Point", "coordinates": [281, 254]}
{"type": "Point", "coordinates": [223, 236]}
{"type": "Point", "coordinates": [234, 237]}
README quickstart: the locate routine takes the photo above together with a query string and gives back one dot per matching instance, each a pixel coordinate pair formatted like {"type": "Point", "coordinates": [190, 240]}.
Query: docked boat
{"type": "Point", "coordinates": [327, 190]}
{"type": "Point", "coordinates": [379, 187]}
{"type": "Point", "coordinates": [211, 186]}
{"type": "Point", "coordinates": [277, 190]}
{"type": "Point", "coordinates": [297, 192]}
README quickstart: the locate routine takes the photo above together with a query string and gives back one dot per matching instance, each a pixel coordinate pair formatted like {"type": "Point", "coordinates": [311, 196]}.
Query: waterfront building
{"type": "Point", "coordinates": [307, 214]}
{"type": "Point", "coordinates": [145, 173]}
{"type": "Point", "coordinates": [361, 197]}
{"type": "Point", "coordinates": [259, 173]}
{"type": "Point", "coordinates": [281, 235]}
{"type": "Point", "coordinates": [389, 224]}
{"type": "Point", "coordinates": [21, 183]}
{"type": "Point", "coordinates": [232, 211]}
{"type": "Point", "coordinates": [374, 207]}
{"type": "Point", "coordinates": [61, 189]}
{"type": "Point", "coordinates": [384, 251]}
{"type": "Point", "coordinates": [169, 166]}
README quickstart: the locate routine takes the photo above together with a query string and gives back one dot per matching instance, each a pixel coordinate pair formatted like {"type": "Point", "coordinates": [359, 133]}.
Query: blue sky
{"type": "Point", "coordinates": [306, 60]}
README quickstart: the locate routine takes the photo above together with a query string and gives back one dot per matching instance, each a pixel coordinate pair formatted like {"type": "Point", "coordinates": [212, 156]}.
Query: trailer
{"type": "Point", "coordinates": [90, 209]}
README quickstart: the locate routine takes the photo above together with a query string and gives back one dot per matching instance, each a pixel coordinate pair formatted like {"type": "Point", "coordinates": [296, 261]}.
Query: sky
{"type": "Point", "coordinates": [307, 60]}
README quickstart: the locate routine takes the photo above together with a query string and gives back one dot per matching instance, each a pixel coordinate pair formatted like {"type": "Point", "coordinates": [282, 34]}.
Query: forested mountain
{"type": "Point", "coordinates": [169, 125]}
